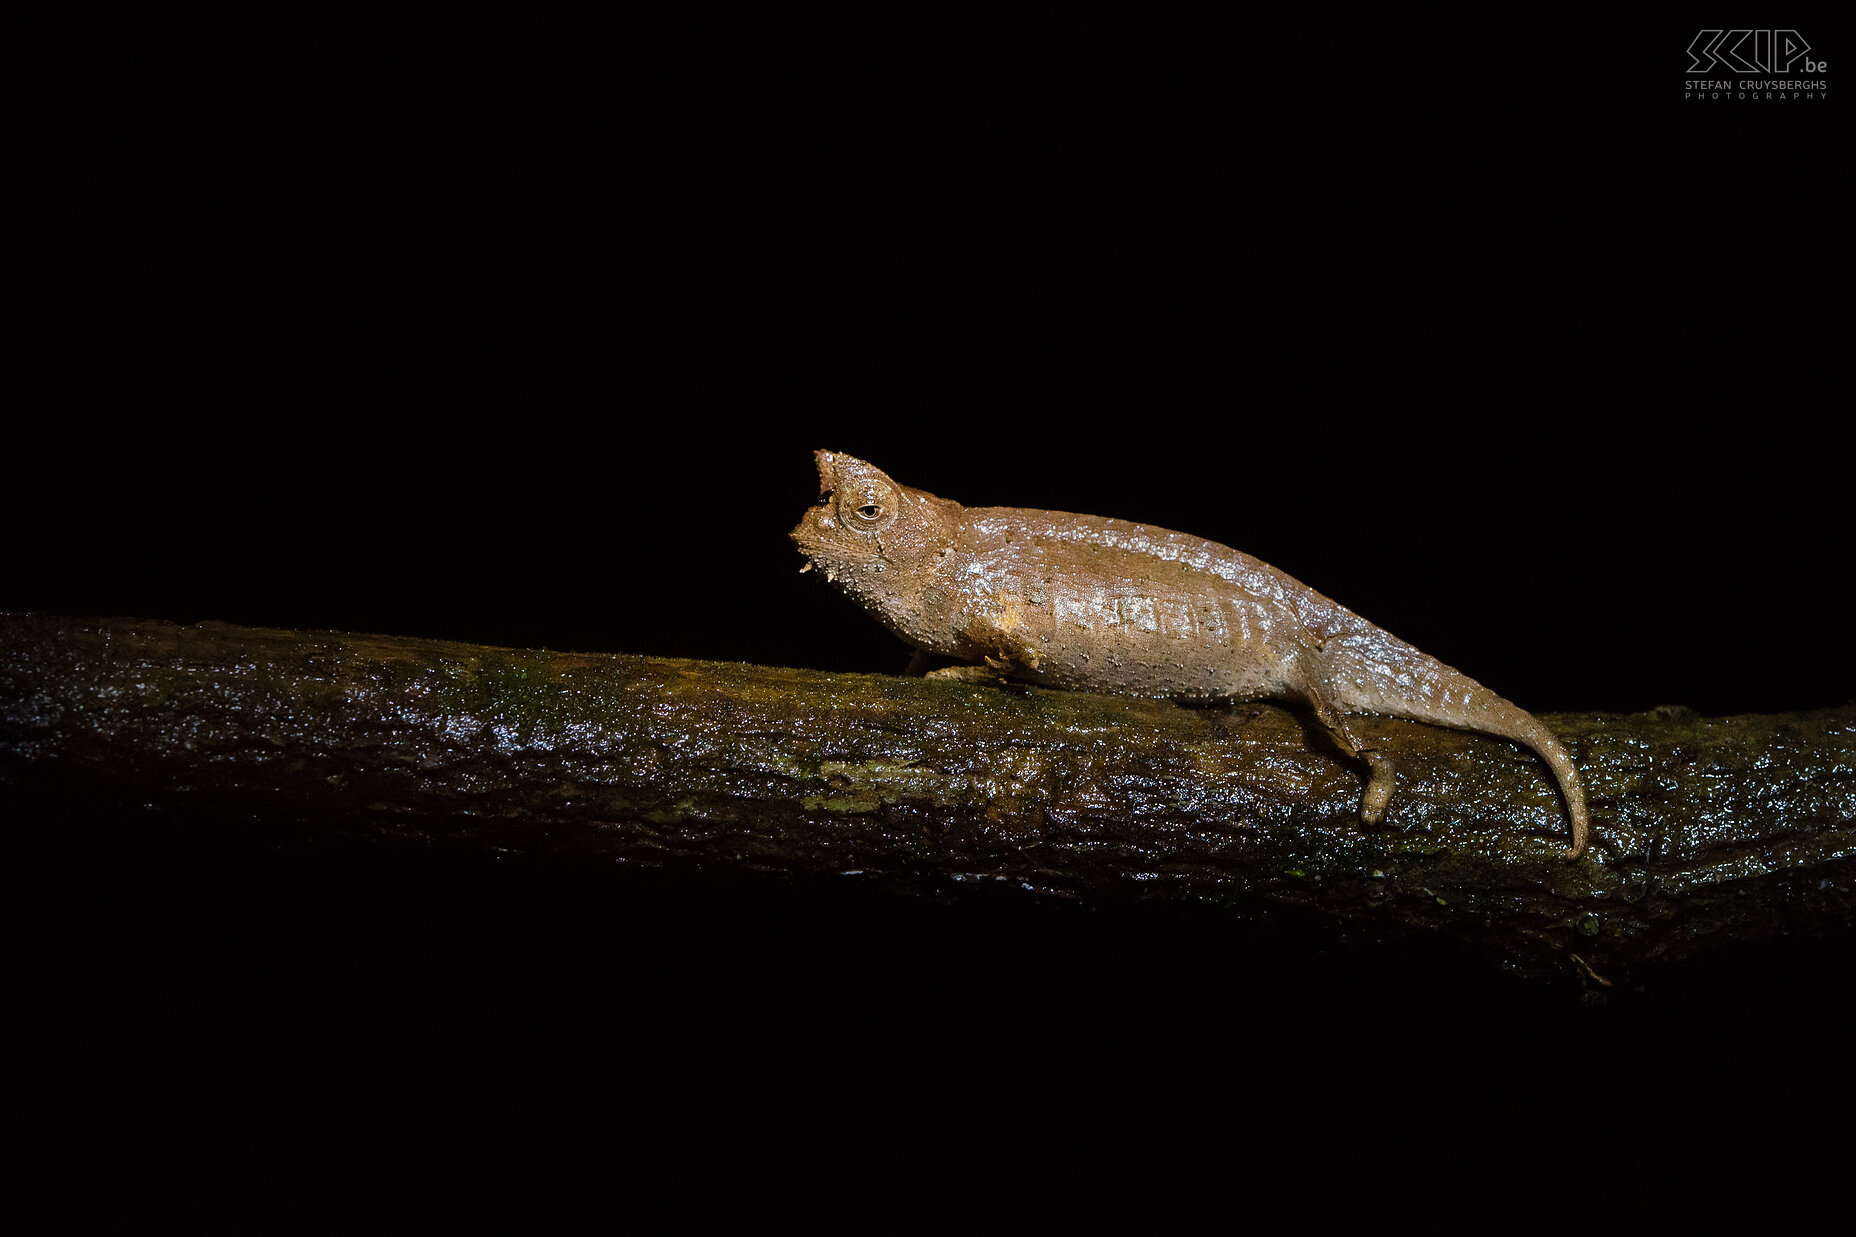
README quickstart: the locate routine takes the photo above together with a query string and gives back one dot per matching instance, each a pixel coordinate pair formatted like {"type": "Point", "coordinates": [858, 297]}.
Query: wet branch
{"type": "Point", "coordinates": [1706, 829]}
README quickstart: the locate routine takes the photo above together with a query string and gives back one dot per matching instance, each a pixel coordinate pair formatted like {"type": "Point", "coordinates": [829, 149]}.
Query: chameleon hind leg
{"type": "Point", "coordinates": [1383, 768]}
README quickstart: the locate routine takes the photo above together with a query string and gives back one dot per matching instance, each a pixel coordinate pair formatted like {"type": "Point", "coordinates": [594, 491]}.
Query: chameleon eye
{"type": "Point", "coordinates": [868, 506]}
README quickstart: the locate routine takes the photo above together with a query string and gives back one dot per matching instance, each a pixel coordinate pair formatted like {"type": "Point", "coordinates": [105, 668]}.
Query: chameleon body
{"type": "Point", "coordinates": [1093, 604]}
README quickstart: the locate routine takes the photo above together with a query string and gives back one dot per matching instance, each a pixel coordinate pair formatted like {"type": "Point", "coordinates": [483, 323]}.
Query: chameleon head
{"type": "Point", "coordinates": [870, 536]}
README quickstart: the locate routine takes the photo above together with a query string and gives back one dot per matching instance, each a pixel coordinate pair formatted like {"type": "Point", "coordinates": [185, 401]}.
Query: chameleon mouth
{"type": "Point", "coordinates": [812, 537]}
{"type": "Point", "coordinates": [823, 543]}
{"type": "Point", "coordinates": [826, 567]}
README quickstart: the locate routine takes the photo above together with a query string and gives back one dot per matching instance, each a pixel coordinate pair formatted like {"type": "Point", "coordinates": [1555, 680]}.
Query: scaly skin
{"type": "Point", "coordinates": [1093, 604]}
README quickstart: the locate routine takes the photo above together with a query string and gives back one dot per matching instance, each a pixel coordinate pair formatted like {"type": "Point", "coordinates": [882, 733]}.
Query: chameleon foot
{"type": "Point", "coordinates": [1378, 790]}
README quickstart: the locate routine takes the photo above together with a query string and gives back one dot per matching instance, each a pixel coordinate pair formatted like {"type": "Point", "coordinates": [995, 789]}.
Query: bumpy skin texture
{"type": "Point", "coordinates": [1093, 604]}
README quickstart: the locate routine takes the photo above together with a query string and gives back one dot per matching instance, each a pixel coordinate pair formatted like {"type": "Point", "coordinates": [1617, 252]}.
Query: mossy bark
{"type": "Point", "coordinates": [1707, 830]}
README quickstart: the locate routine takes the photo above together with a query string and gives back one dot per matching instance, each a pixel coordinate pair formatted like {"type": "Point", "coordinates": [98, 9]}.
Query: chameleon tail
{"type": "Point", "coordinates": [1438, 694]}
{"type": "Point", "coordinates": [1538, 737]}
{"type": "Point", "coordinates": [1489, 713]}
{"type": "Point", "coordinates": [1480, 709]}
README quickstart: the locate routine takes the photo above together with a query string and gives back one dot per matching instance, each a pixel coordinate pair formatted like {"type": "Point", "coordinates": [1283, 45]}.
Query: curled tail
{"type": "Point", "coordinates": [1538, 737]}
{"type": "Point", "coordinates": [1481, 710]}
{"type": "Point", "coordinates": [1360, 680]}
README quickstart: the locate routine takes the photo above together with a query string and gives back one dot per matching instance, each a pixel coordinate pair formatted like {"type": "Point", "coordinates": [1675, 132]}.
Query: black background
{"type": "Point", "coordinates": [526, 335]}
{"type": "Point", "coordinates": [529, 339]}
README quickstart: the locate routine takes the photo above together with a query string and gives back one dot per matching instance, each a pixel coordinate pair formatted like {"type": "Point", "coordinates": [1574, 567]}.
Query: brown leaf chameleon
{"type": "Point", "coordinates": [1094, 604]}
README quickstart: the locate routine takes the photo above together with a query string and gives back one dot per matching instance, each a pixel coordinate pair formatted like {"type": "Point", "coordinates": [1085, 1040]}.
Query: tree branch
{"type": "Point", "coordinates": [1706, 829]}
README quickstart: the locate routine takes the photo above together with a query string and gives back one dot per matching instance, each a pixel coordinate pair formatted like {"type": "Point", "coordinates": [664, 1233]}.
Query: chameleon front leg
{"type": "Point", "coordinates": [997, 634]}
